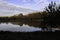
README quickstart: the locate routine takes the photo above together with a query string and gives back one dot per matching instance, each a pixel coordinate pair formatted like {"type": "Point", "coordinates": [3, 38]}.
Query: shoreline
{"type": "Point", "coordinates": [27, 35]}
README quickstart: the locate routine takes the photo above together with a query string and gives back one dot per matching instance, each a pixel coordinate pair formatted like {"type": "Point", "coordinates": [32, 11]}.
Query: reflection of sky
{"type": "Point", "coordinates": [17, 28]}
{"type": "Point", "coordinates": [24, 28]}
{"type": "Point", "coordinates": [33, 4]}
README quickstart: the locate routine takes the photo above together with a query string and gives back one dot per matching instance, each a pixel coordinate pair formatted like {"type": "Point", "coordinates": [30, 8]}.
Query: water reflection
{"type": "Point", "coordinates": [17, 28]}
{"type": "Point", "coordinates": [24, 27]}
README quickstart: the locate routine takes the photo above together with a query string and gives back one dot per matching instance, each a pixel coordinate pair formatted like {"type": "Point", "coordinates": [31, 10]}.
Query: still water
{"type": "Point", "coordinates": [21, 27]}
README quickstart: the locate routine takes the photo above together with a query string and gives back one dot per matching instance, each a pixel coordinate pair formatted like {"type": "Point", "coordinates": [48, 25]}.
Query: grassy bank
{"type": "Point", "coordinates": [27, 36]}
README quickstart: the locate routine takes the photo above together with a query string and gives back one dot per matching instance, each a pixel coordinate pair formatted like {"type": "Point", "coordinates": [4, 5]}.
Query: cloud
{"type": "Point", "coordinates": [8, 9]}
{"type": "Point", "coordinates": [41, 4]}
{"type": "Point", "coordinates": [33, 4]}
{"type": "Point", "coordinates": [36, 5]}
{"type": "Point", "coordinates": [23, 6]}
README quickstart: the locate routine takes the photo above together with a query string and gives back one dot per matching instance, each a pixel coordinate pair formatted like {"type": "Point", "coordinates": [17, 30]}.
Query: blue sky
{"type": "Point", "coordinates": [32, 4]}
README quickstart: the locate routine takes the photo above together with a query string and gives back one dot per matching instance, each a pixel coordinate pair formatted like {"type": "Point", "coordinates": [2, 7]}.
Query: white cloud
{"type": "Point", "coordinates": [37, 4]}
{"type": "Point", "coordinates": [7, 9]}
{"type": "Point", "coordinates": [13, 9]}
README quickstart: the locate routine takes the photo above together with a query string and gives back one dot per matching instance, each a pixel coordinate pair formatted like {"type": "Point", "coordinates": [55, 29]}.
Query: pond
{"type": "Point", "coordinates": [21, 27]}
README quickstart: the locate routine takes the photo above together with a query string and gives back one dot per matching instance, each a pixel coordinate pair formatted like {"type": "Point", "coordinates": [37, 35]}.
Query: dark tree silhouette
{"type": "Point", "coordinates": [53, 17]}
{"type": "Point", "coordinates": [53, 12]}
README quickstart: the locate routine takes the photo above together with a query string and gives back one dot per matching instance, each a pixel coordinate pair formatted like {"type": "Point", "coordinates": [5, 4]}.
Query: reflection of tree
{"type": "Point", "coordinates": [17, 23]}
{"type": "Point", "coordinates": [27, 23]}
{"type": "Point", "coordinates": [34, 24]}
{"type": "Point", "coordinates": [46, 29]}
